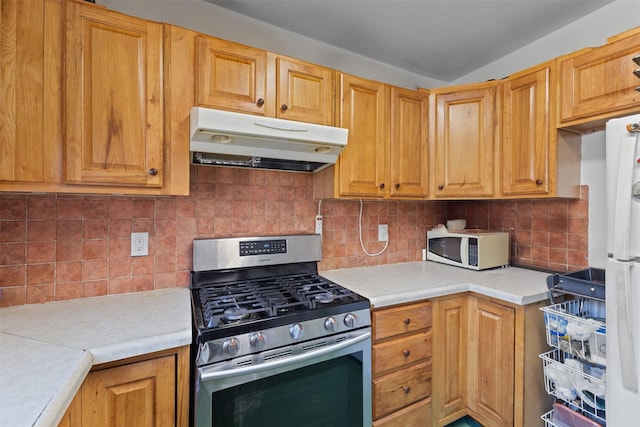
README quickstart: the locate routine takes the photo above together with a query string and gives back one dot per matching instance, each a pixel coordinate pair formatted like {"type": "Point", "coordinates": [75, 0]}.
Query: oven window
{"type": "Point", "coordinates": [446, 247]}
{"type": "Point", "coordinates": [324, 394]}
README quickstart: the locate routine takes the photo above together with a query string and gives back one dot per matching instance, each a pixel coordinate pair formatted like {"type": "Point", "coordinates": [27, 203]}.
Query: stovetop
{"type": "Point", "coordinates": [224, 308]}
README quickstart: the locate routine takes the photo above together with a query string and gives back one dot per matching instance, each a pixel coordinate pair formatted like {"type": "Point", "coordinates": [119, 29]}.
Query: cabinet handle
{"type": "Point", "coordinates": [382, 186]}
{"type": "Point", "coordinates": [440, 187]}
{"type": "Point", "coordinates": [284, 107]}
{"type": "Point", "coordinates": [397, 185]}
{"type": "Point", "coordinates": [260, 102]}
{"type": "Point", "coordinates": [153, 171]}
{"type": "Point", "coordinates": [407, 321]}
{"type": "Point", "coordinates": [406, 389]}
{"type": "Point", "coordinates": [406, 352]}
{"type": "Point", "coordinates": [538, 182]}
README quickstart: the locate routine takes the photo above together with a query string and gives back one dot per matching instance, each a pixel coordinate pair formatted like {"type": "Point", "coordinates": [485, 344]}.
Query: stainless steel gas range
{"type": "Point", "coordinates": [276, 344]}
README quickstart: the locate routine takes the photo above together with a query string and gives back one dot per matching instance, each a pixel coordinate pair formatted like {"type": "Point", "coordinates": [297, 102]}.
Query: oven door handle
{"type": "Point", "coordinates": [297, 359]}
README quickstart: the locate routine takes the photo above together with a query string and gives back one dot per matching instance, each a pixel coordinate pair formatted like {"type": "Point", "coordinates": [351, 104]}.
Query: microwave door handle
{"type": "Point", "coordinates": [464, 250]}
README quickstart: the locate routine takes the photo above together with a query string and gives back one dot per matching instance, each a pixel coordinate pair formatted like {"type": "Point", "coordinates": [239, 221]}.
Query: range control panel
{"type": "Point", "coordinates": [263, 247]}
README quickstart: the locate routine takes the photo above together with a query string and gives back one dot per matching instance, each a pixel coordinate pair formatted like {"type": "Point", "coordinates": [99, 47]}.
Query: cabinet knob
{"type": "Point", "coordinates": [397, 185]}
{"type": "Point", "coordinates": [538, 181]}
{"type": "Point", "coordinates": [284, 107]}
{"type": "Point", "coordinates": [382, 186]}
{"type": "Point", "coordinates": [260, 102]}
{"type": "Point", "coordinates": [440, 187]}
{"type": "Point", "coordinates": [406, 389]}
{"type": "Point", "coordinates": [407, 321]}
{"type": "Point", "coordinates": [153, 171]}
{"type": "Point", "coordinates": [406, 352]}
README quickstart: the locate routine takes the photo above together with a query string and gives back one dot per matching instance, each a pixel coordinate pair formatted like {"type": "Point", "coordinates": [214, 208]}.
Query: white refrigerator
{"type": "Point", "coordinates": [623, 272]}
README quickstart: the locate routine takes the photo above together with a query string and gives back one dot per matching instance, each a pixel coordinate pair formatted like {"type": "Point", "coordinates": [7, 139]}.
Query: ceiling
{"type": "Point", "coordinates": [440, 39]}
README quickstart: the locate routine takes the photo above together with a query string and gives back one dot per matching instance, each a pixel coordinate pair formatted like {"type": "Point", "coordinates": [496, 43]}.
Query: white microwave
{"type": "Point", "coordinates": [472, 248]}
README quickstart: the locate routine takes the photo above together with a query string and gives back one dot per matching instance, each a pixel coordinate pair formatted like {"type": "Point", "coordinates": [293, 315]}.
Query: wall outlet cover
{"type": "Point", "coordinates": [140, 244]}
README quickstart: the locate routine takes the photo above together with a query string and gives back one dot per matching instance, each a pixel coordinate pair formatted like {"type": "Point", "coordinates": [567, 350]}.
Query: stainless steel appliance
{"type": "Point", "coordinates": [276, 344]}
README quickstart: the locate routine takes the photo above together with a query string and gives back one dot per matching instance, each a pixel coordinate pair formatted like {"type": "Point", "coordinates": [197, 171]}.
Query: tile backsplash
{"type": "Point", "coordinates": [64, 246]}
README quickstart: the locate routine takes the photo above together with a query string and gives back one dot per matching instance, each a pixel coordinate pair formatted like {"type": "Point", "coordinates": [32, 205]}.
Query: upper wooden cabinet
{"type": "Point", "coordinates": [386, 155]}
{"type": "Point", "coordinates": [464, 138]}
{"type": "Point", "coordinates": [409, 159]}
{"type": "Point", "coordinates": [537, 159]}
{"type": "Point", "coordinates": [597, 84]}
{"type": "Point", "coordinates": [231, 76]}
{"type": "Point", "coordinates": [31, 38]}
{"type": "Point", "coordinates": [113, 98]}
{"type": "Point", "coordinates": [361, 168]}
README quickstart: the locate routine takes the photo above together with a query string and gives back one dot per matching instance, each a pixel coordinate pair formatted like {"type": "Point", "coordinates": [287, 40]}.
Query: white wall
{"type": "Point", "coordinates": [593, 175]}
{"type": "Point", "coordinates": [590, 31]}
{"type": "Point", "coordinates": [219, 22]}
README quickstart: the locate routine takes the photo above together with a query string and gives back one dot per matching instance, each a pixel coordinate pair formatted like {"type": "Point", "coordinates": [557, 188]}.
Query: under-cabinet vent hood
{"type": "Point", "coordinates": [224, 138]}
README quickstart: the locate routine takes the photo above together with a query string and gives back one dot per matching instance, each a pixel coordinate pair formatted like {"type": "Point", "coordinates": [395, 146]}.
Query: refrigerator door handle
{"type": "Point", "coordinates": [626, 347]}
{"type": "Point", "coordinates": [622, 209]}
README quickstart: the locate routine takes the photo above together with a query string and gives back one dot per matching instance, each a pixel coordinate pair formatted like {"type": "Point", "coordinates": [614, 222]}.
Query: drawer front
{"type": "Point", "coordinates": [401, 352]}
{"type": "Point", "coordinates": [416, 415]}
{"type": "Point", "coordinates": [401, 389]}
{"type": "Point", "coordinates": [400, 320]}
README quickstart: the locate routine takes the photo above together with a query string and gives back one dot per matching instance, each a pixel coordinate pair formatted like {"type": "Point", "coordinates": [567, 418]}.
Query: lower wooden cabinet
{"type": "Point", "coordinates": [149, 391]}
{"type": "Point", "coordinates": [401, 360]}
{"type": "Point", "coordinates": [485, 361]}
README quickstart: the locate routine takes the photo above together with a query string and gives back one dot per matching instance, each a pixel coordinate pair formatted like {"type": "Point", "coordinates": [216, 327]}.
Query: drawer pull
{"type": "Point", "coordinates": [406, 352]}
{"type": "Point", "coordinates": [407, 321]}
{"type": "Point", "coordinates": [406, 389]}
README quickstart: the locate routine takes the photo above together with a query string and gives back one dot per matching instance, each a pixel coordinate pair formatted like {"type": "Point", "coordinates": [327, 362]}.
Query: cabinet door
{"type": "Point", "coordinates": [363, 111]}
{"type": "Point", "coordinates": [409, 153]}
{"type": "Point", "coordinates": [526, 136]}
{"type": "Point", "coordinates": [114, 98]}
{"type": "Point", "coordinates": [231, 76]}
{"type": "Point", "coordinates": [600, 83]}
{"type": "Point", "coordinates": [139, 394]}
{"type": "Point", "coordinates": [491, 361]}
{"type": "Point", "coordinates": [449, 359]}
{"type": "Point", "coordinates": [31, 87]}
{"type": "Point", "coordinates": [465, 138]}
{"type": "Point", "coordinates": [305, 92]}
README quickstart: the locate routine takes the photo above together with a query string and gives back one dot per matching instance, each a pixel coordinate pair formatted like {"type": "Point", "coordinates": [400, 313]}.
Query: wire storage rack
{"type": "Point", "coordinates": [574, 369]}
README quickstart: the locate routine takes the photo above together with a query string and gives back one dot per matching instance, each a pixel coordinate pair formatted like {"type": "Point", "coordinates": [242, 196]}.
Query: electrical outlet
{"type": "Point", "coordinates": [383, 232]}
{"type": "Point", "coordinates": [319, 224]}
{"type": "Point", "coordinates": [140, 244]}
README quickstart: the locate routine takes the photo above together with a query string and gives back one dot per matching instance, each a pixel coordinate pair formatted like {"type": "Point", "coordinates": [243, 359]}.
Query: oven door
{"type": "Point", "coordinates": [316, 385]}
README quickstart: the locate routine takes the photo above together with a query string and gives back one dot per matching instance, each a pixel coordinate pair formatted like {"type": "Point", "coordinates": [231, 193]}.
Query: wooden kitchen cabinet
{"type": "Point", "coordinates": [464, 139]}
{"type": "Point", "coordinates": [409, 156]}
{"type": "Point", "coordinates": [145, 391]}
{"type": "Point", "coordinates": [386, 155]}
{"type": "Point", "coordinates": [362, 166]}
{"type": "Point", "coordinates": [485, 361]}
{"type": "Point", "coordinates": [491, 362]}
{"type": "Point", "coordinates": [113, 98]}
{"type": "Point", "coordinates": [401, 365]}
{"type": "Point", "coordinates": [598, 84]}
{"type": "Point", "coordinates": [232, 76]}
{"type": "Point", "coordinates": [31, 39]}
{"type": "Point", "coordinates": [537, 159]}
{"type": "Point", "coordinates": [450, 341]}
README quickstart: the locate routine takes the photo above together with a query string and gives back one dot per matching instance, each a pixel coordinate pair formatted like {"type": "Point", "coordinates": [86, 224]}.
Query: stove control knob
{"type": "Point", "coordinates": [330, 324]}
{"type": "Point", "coordinates": [230, 346]}
{"type": "Point", "coordinates": [258, 340]}
{"type": "Point", "coordinates": [296, 331]}
{"type": "Point", "coordinates": [350, 320]}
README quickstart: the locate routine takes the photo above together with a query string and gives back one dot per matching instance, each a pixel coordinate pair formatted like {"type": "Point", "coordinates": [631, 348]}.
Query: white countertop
{"type": "Point", "coordinates": [46, 350]}
{"type": "Point", "coordinates": [400, 283]}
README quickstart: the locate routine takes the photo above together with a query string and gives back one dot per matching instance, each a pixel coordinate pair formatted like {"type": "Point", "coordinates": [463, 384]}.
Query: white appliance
{"type": "Point", "coordinates": [623, 271]}
{"type": "Point", "coordinates": [226, 138]}
{"type": "Point", "coordinates": [471, 248]}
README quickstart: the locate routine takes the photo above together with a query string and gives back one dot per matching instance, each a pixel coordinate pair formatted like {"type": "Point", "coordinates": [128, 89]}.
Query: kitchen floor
{"type": "Point", "coordinates": [465, 422]}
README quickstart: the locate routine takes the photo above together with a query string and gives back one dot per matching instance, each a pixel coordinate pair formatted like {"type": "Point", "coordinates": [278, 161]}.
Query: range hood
{"type": "Point", "coordinates": [225, 138]}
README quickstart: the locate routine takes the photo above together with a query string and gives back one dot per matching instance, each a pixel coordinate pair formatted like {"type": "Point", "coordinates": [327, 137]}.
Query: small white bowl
{"type": "Point", "coordinates": [456, 224]}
